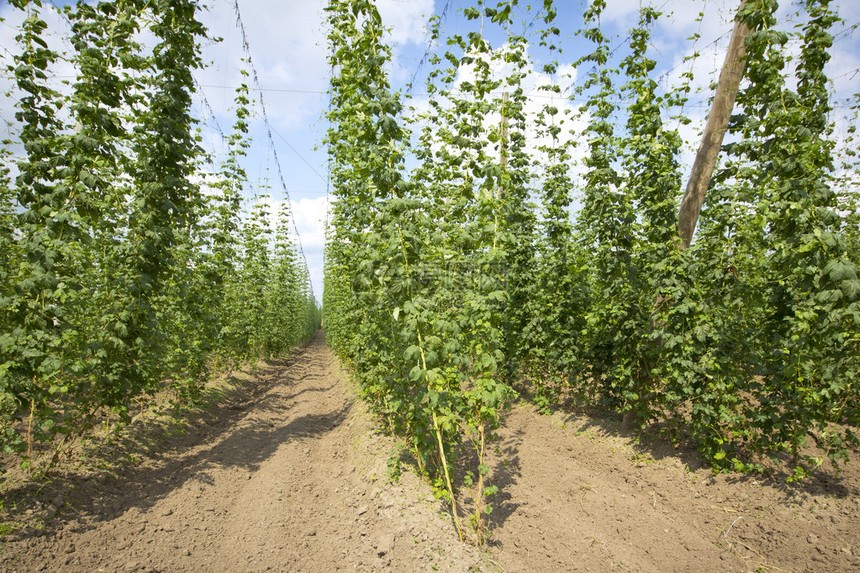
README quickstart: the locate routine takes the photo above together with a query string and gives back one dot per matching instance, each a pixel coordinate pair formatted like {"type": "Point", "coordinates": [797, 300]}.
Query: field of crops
{"type": "Point", "coordinates": [122, 274]}
{"type": "Point", "coordinates": [544, 234]}
{"type": "Point", "coordinates": [479, 246]}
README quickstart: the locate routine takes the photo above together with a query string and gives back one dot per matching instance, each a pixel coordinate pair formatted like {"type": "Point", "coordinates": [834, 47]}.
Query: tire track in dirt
{"type": "Point", "coordinates": [295, 482]}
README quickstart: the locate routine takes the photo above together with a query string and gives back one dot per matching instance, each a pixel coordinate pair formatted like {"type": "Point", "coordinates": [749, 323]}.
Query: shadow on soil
{"type": "Point", "coordinates": [115, 481]}
{"type": "Point", "coordinates": [506, 471]}
{"type": "Point", "coordinates": [504, 462]}
{"type": "Point", "coordinates": [647, 445]}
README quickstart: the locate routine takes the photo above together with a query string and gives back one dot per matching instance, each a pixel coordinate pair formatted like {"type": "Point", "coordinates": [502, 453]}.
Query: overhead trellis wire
{"type": "Point", "coordinates": [431, 36]}
{"type": "Point", "coordinates": [246, 46]}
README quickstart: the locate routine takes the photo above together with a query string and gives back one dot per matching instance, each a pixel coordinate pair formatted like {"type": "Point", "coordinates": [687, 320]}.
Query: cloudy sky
{"type": "Point", "coordinates": [288, 49]}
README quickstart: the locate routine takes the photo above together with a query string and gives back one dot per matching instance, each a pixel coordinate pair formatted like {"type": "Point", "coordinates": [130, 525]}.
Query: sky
{"type": "Point", "coordinates": [287, 43]}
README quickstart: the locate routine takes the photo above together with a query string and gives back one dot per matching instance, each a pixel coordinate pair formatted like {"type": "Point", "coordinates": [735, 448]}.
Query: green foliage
{"type": "Point", "coordinates": [747, 333]}
{"type": "Point", "coordinates": [414, 294]}
{"type": "Point", "coordinates": [446, 286]}
{"type": "Point", "coordinates": [118, 278]}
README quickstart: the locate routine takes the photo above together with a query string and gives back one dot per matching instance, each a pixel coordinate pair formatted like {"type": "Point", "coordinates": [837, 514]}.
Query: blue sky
{"type": "Point", "coordinates": [288, 48]}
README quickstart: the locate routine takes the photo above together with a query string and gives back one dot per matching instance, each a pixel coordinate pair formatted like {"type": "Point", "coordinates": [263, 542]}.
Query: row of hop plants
{"type": "Point", "coordinates": [121, 274]}
{"type": "Point", "coordinates": [498, 262]}
{"type": "Point", "coordinates": [746, 340]}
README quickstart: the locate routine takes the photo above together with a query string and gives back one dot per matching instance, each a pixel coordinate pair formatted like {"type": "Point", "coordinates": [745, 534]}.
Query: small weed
{"type": "Point", "coordinates": [543, 403]}
{"type": "Point", "coordinates": [642, 457]}
{"type": "Point", "coordinates": [395, 462]}
{"type": "Point", "coordinates": [394, 466]}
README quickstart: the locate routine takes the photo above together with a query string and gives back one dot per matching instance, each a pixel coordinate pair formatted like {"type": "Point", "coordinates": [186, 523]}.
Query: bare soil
{"type": "Point", "coordinates": [288, 473]}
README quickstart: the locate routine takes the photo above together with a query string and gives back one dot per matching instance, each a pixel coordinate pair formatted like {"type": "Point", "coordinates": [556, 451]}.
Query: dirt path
{"type": "Point", "coordinates": [293, 479]}
{"type": "Point", "coordinates": [289, 475]}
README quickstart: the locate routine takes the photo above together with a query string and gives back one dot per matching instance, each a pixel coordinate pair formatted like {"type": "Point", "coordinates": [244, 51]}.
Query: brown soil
{"type": "Point", "coordinates": [288, 474]}
{"type": "Point", "coordinates": [580, 495]}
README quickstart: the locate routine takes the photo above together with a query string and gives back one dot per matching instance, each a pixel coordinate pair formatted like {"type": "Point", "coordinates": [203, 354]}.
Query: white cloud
{"type": "Point", "coordinates": [310, 217]}
{"type": "Point", "coordinates": [406, 18]}
{"type": "Point", "coordinates": [289, 49]}
{"type": "Point", "coordinates": [680, 17]}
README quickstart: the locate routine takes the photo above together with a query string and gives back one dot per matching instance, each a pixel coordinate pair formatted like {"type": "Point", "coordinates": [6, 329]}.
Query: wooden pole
{"type": "Point", "coordinates": [715, 130]}
{"type": "Point", "coordinates": [712, 141]}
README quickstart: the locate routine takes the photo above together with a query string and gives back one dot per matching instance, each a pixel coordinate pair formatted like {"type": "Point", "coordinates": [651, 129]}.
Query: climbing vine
{"type": "Point", "coordinates": [478, 242]}
{"type": "Point", "coordinates": [500, 261]}
{"type": "Point", "coordinates": [120, 276]}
